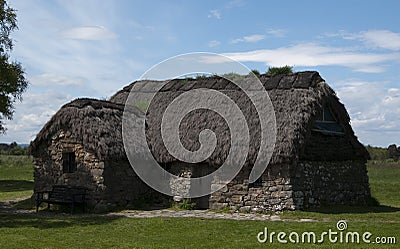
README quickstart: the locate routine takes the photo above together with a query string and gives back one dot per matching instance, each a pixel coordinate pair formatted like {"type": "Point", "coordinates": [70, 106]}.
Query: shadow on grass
{"type": "Point", "coordinates": [52, 221]}
{"type": "Point", "coordinates": [354, 209]}
{"type": "Point", "coordinates": [15, 185]}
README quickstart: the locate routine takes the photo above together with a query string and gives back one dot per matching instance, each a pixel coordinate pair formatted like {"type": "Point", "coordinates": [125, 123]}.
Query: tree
{"type": "Point", "coordinates": [394, 153]}
{"type": "Point", "coordinates": [12, 76]}
{"type": "Point", "coordinates": [273, 71]}
{"type": "Point", "coordinates": [256, 72]}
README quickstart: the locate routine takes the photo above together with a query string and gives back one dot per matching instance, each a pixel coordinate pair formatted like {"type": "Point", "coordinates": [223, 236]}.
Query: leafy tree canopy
{"type": "Point", "coordinates": [12, 76]}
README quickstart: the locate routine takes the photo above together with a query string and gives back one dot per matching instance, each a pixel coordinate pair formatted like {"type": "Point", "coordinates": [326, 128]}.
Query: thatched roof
{"type": "Point", "coordinates": [95, 123]}
{"type": "Point", "coordinates": [297, 99]}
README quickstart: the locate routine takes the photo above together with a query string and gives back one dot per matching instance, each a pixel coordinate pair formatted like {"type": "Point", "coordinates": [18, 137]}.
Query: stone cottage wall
{"type": "Point", "coordinates": [125, 188]}
{"type": "Point", "coordinates": [318, 182]}
{"type": "Point", "coordinates": [110, 183]}
{"type": "Point", "coordinates": [312, 184]}
{"type": "Point", "coordinates": [273, 192]}
{"type": "Point", "coordinates": [48, 168]}
{"type": "Point", "coordinates": [114, 183]}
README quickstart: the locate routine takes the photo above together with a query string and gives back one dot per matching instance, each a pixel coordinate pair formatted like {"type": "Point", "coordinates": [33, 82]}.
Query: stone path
{"type": "Point", "coordinates": [206, 214]}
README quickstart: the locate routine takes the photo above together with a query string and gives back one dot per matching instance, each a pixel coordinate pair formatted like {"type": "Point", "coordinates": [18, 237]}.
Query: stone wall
{"type": "Point", "coordinates": [344, 182]}
{"type": "Point", "coordinates": [48, 169]}
{"type": "Point", "coordinates": [110, 183]}
{"type": "Point", "coordinates": [282, 187]}
{"type": "Point", "coordinates": [270, 193]}
{"type": "Point", "coordinates": [309, 184]}
{"type": "Point", "coordinates": [124, 187]}
{"type": "Point", "coordinates": [273, 192]}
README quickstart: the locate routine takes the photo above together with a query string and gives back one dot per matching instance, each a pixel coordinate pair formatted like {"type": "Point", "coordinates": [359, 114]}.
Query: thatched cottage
{"type": "Point", "coordinates": [317, 158]}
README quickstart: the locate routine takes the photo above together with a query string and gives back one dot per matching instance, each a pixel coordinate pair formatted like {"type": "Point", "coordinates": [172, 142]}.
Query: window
{"type": "Point", "coordinates": [326, 115]}
{"type": "Point", "coordinates": [68, 161]}
{"type": "Point", "coordinates": [326, 123]}
{"type": "Point", "coordinates": [256, 184]}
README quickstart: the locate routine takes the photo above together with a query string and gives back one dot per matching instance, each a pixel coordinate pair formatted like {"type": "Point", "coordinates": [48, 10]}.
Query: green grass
{"type": "Point", "coordinates": [57, 230]}
{"type": "Point", "coordinates": [143, 105]}
{"type": "Point", "coordinates": [16, 177]}
{"type": "Point", "coordinates": [384, 179]}
{"type": "Point", "coordinates": [89, 231]}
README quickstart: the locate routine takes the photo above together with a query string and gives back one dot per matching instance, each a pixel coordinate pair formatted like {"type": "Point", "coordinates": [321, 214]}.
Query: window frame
{"type": "Point", "coordinates": [69, 164]}
{"type": "Point", "coordinates": [325, 108]}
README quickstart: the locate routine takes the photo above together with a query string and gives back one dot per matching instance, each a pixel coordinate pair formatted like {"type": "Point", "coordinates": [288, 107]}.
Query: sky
{"type": "Point", "coordinates": [72, 49]}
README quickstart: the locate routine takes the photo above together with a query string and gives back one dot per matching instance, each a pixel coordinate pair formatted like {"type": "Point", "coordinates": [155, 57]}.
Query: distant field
{"type": "Point", "coordinates": [16, 177]}
{"type": "Point", "coordinates": [56, 230]}
{"type": "Point", "coordinates": [384, 179]}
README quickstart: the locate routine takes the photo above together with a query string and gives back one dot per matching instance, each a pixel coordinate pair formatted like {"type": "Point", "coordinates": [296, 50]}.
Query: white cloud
{"type": "Point", "coordinates": [260, 37]}
{"type": "Point", "coordinates": [341, 33]}
{"type": "Point", "coordinates": [94, 33]}
{"type": "Point", "coordinates": [49, 58]}
{"type": "Point", "coordinates": [373, 109]}
{"type": "Point", "coordinates": [32, 113]}
{"type": "Point", "coordinates": [139, 25]}
{"type": "Point", "coordinates": [234, 4]}
{"type": "Point", "coordinates": [50, 79]}
{"type": "Point", "coordinates": [382, 39]}
{"type": "Point", "coordinates": [62, 69]}
{"type": "Point", "coordinates": [214, 43]}
{"type": "Point", "coordinates": [277, 32]}
{"type": "Point", "coordinates": [370, 69]}
{"type": "Point", "coordinates": [215, 14]}
{"type": "Point", "coordinates": [250, 38]}
{"type": "Point", "coordinates": [311, 55]}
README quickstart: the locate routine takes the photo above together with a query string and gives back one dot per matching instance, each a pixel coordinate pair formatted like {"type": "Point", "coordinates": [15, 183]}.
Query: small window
{"type": "Point", "coordinates": [256, 184]}
{"type": "Point", "coordinates": [326, 116]}
{"type": "Point", "coordinates": [326, 123]}
{"type": "Point", "coordinates": [68, 160]}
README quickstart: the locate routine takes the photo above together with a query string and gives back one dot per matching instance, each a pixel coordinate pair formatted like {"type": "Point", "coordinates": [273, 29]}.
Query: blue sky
{"type": "Point", "coordinates": [93, 48]}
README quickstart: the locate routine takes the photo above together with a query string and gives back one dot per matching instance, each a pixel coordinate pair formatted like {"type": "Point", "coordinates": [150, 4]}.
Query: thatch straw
{"type": "Point", "coordinates": [95, 123]}
{"type": "Point", "coordinates": [297, 98]}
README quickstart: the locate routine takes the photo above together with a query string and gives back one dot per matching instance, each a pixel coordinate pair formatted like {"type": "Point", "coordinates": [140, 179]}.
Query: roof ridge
{"type": "Point", "coordinates": [302, 80]}
{"type": "Point", "coordinates": [95, 103]}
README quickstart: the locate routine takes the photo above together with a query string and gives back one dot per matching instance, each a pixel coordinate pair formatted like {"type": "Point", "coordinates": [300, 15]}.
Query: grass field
{"type": "Point", "coordinates": [57, 230]}
{"type": "Point", "coordinates": [16, 177]}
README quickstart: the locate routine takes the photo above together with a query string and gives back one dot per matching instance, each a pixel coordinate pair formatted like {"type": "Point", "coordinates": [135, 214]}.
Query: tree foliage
{"type": "Point", "coordinates": [377, 153]}
{"type": "Point", "coordinates": [390, 153]}
{"type": "Point", "coordinates": [256, 72]}
{"type": "Point", "coordinates": [394, 152]}
{"type": "Point", "coordinates": [13, 149]}
{"type": "Point", "coordinates": [12, 76]}
{"type": "Point", "coordinates": [273, 71]}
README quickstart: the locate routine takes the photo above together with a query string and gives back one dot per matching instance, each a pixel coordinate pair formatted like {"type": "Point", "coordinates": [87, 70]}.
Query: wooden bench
{"type": "Point", "coordinates": [62, 194]}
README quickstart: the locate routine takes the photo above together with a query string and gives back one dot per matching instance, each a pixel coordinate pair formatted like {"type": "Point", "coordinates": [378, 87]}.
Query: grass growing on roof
{"type": "Point", "coordinates": [273, 71]}
{"type": "Point", "coordinates": [143, 105]}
